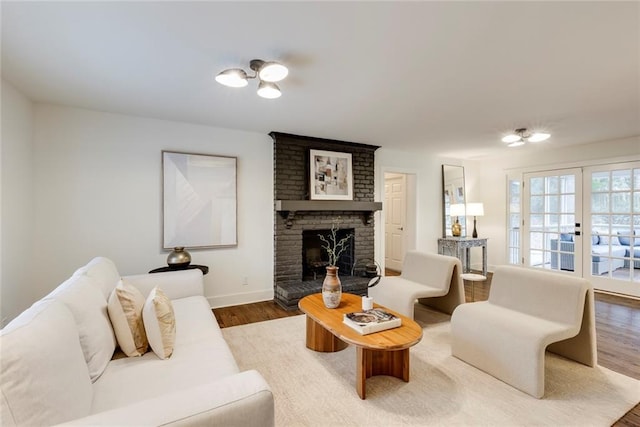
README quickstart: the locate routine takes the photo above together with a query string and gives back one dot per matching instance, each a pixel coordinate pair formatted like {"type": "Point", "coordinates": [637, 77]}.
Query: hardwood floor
{"type": "Point", "coordinates": [617, 328]}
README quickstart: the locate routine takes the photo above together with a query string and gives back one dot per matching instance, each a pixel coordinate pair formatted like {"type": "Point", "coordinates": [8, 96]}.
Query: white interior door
{"type": "Point", "coordinates": [552, 220]}
{"type": "Point", "coordinates": [395, 201]}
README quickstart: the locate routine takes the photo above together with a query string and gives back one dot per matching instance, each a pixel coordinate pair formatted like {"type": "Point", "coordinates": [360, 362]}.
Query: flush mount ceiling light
{"type": "Point", "coordinates": [266, 72]}
{"type": "Point", "coordinates": [522, 136]}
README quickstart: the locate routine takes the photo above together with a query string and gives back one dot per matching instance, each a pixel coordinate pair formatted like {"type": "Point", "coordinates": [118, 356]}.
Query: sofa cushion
{"type": "Point", "coordinates": [200, 356]}
{"type": "Point", "coordinates": [159, 323]}
{"type": "Point", "coordinates": [125, 310]}
{"type": "Point", "coordinates": [104, 272]}
{"type": "Point", "coordinates": [43, 374]}
{"type": "Point", "coordinates": [565, 237]}
{"type": "Point", "coordinates": [89, 309]}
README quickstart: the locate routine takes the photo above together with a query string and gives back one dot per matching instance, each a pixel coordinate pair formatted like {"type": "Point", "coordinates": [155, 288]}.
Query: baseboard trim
{"type": "Point", "coordinates": [240, 298]}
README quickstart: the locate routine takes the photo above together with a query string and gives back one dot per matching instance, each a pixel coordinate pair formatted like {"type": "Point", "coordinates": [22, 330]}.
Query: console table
{"type": "Point", "coordinates": [460, 247]}
{"type": "Point", "coordinates": [202, 268]}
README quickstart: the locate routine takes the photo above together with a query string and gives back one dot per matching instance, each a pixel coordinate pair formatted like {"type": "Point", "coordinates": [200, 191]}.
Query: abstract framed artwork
{"type": "Point", "coordinates": [331, 176]}
{"type": "Point", "coordinates": [199, 196]}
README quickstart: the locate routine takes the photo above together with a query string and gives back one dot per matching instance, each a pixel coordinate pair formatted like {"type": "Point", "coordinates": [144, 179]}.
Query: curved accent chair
{"type": "Point", "coordinates": [431, 279]}
{"type": "Point", "coordinates": [528, 312]}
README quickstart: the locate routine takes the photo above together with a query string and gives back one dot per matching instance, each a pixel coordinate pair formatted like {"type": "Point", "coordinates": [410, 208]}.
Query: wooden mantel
{"type": "Point", "coordinates": [288, 208]}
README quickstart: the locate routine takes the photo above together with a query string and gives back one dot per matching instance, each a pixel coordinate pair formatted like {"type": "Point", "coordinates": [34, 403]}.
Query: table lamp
{"type": "Point", "coordinates": [475, 209]}
{"type": "Point", "coordinates": [457, 210]}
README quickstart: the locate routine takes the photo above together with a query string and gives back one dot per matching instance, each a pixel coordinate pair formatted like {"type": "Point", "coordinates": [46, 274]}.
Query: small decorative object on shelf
{"type": "Point", "coordinates": [179, 258]}
{"type": "Point", "coordinates": [370, 321]}
{"type": "Point", "coordinates": [331, 286]}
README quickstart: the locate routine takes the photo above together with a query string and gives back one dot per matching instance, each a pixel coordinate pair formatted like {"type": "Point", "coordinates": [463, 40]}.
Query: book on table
{"type": "Point", "coordinates": [370, 321]}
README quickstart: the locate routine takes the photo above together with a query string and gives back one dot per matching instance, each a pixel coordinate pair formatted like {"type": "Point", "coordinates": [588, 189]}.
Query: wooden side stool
{"type": "Point", "coordinates": [473, 278]}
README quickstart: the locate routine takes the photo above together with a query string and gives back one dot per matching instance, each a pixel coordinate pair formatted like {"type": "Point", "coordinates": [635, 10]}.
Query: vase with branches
{"type": "Point", "coordinates": [334, 247]}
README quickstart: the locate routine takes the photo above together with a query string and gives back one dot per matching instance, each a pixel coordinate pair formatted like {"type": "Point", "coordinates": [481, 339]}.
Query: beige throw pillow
{"type": "Point", "coordinates": [125, 311]}
{"type": "Point", "coordinates": [159, 323]}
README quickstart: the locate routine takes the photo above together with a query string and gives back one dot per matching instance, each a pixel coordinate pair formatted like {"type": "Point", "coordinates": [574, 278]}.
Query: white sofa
{"type": "Point", "coordinates": [57, 363]}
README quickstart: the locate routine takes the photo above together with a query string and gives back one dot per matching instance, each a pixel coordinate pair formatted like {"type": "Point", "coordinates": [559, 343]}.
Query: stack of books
{"type": "Point", "coordinates": [370, 321]}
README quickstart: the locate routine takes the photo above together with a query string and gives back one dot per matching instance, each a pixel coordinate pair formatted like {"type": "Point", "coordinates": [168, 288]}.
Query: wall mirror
{"type": "Point", "coordinates": [453, 193]}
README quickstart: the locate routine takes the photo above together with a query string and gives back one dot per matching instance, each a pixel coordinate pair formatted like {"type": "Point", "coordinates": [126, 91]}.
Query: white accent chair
{"type": "Point", "coordinates": [434, 280]}
{"type": "Point", "coordinates": [528, 312]}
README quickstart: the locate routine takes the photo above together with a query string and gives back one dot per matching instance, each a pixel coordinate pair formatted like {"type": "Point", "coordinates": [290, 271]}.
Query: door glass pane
{"type": "Point", "coordinates": [600, 202]}
{"type": "Point", "coordinates": [537, 204]}
{"type": "Point", "coordinates": [599, 181]}
{"type": "Point", "coordinates": [553, 204]}
{"type": "Point", "coordinates": [552, 184]}
{"type": "Point", "coordinates": [568, 184]}
{"type": "Point", "coordinates": [621, 202]}
{"type": "Point", "coordinates": [537, 185]}
{"type": "Point", "coordinates": [621, 180]}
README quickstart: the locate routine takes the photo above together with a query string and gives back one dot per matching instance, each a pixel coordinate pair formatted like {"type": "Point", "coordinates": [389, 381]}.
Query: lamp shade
{"type": "Point", "coordinates": [273, 72]}
{"type": "Point", "coordinates": [475, 209]}
{"type": "Point", "coordinates": [269, 90]}
{"type": "Point", "coordinates": [233, 77]}
{"type": "Point", "coordinates": [456, 209]}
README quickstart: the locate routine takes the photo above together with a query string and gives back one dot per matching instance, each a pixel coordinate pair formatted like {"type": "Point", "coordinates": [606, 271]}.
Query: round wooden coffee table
{"type": "Point", "coordinates": [380, 353]}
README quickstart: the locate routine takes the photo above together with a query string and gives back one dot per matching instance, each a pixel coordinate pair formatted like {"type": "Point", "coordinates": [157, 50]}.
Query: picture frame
{"type": "Point", "coordinates": [199, 200]}
{"type": "Point", "coordinates": [330, 175]}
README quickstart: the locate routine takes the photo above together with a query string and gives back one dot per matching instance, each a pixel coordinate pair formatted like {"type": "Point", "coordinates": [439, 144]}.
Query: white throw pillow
{"type": "Point", "coordinates": [159, 323]}
{"type": "Point", "coordinates": [125, 310]}
{"type": "Point", "coordinates": [89, 309]}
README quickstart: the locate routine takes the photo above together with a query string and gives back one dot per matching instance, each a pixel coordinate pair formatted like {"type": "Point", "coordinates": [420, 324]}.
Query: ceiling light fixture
{"type": "Point", "coordinates": [522, 136]}
{"type": "Point", "coordinates": [266, 72]}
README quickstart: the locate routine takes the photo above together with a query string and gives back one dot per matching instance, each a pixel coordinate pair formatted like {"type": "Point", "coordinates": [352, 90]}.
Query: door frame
{"type": "Point", "coordinates": [410, 212]}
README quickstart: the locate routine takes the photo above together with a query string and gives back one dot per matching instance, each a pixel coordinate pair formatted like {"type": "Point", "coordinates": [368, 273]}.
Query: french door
{"type": "Point", "coordinates": [585, 222]}
{"type": "Point", "coordinates": [552, 221]}
{"type": "Point", "coordinates": [612, 214]}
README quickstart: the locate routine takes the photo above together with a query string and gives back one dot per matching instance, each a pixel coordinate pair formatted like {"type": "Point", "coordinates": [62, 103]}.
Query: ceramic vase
{"type": "Point", "coordinates": [331, 288]}
{"type": "Point", "coordinates": [179, 258]}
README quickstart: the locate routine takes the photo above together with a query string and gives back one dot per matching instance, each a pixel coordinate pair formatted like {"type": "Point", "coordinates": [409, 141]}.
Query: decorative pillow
{"type": "Point", "coordinates": [595, 239]}
{"type": "Point", "coordinates": [159, 323]}
{"type": "Point", "coordinates": [625, 240]}
{"type": "Point", "coordinates": [606, 240]}
{"type": "Point", "coordinates": [566, 237]}
{"type": "Point", "coordinates": [125, 310]}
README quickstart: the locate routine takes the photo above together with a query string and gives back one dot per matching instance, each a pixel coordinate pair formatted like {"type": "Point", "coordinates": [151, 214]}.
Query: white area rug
{"type": "Point", "coordinates": [318, 389]}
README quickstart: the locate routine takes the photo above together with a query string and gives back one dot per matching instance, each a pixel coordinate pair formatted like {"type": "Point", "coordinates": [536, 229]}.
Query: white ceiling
{"type": "Point", "coordinates": [450, 77]}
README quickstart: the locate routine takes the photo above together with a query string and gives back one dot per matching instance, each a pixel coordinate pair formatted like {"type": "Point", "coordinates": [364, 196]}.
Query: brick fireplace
{"type": "Point", "coordinates": [299, 268]}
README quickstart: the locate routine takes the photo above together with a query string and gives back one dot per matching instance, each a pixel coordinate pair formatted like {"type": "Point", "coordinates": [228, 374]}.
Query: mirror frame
{"type": "Point", "coordinates": [453, 187]}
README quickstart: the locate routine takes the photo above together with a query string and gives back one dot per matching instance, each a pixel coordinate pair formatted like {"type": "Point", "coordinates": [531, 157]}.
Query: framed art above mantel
{"type": "Point", "coordinates": [199, 200]}
{"type": "Point", "coordinates": [331, 176]}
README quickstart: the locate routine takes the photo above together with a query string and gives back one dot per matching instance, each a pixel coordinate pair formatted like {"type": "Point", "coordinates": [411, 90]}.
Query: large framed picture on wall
{"type": "Point", "coordinates": [331, 176]}
{"type": "Point", "coordinates": [199, 200]}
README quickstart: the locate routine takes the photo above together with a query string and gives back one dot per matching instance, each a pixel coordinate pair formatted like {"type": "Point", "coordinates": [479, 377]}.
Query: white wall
{"type": "Point", "coordinates": [427, 186]}
{"type": "Point", "coordinates": [487, 182]}
{"type": "Point", "coordinates": [16, 201]}
{"type": "Point", "coordinates": [98, 191]}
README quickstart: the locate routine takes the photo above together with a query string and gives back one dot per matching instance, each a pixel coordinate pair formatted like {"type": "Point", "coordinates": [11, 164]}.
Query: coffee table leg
{"type": "Point", "coordinates": [319, 339]}
{"type": "Point", "coordinates": [380, 362]}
